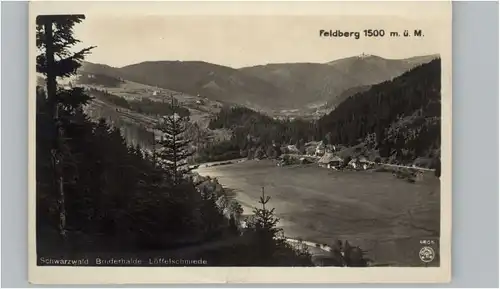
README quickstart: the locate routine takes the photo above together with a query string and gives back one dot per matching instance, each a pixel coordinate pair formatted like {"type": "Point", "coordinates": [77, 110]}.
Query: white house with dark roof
{"type": "Point", "coordinates": [330, 161]}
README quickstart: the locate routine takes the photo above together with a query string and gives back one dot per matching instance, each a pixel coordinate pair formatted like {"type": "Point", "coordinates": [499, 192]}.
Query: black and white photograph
{"type": "Point", "coordinates": [235, 140]}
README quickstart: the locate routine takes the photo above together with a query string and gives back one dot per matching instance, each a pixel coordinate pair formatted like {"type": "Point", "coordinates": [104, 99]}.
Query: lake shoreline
{"type": "Point", "coordinates": [219, 163]}
{"type": "Point", "coordinates": [293, 241]}
{"type": "Point", "coordinates": [366, 208]}
{"type": "Point", "coordinates": [240, 160]}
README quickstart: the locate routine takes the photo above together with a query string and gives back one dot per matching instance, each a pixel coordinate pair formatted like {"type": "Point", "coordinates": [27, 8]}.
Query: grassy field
{"type": "Point", "coordinates": [200, 108]}
{"type": "Point", "coordinates": [384, 215]}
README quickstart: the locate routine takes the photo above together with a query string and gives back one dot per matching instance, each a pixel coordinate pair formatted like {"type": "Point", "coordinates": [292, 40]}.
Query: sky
{"type": "Point", "coordinates": [246, 40]}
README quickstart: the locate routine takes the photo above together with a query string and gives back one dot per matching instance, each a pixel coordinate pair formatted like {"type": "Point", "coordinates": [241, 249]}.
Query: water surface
{"type": "Point", "coordinates": [384, 215]}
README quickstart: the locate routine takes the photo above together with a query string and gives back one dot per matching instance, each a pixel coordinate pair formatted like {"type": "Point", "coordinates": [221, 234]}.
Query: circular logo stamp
{"type": "Point", "coordinates": [426, 254]}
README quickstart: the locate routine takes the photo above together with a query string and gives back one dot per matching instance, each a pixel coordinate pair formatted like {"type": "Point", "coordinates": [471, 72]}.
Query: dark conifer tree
{"type": "Point", "coordinates": [174, 145]}
{"type": "Point", "coordinates": [54, 37]}
{"type": "Point", "coordinates": [263, 224]}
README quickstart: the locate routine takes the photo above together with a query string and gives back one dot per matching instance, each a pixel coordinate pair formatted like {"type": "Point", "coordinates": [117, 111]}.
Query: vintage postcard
{"type": "Point", "coordinates": [240, 142]}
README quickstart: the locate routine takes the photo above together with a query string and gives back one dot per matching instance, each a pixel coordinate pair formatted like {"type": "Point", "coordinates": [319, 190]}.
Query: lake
{"type": "Point", "coordinates": [386, 216]}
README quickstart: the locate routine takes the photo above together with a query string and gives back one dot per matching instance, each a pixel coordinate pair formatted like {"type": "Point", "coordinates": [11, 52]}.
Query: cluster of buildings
{"type": "Point", "coordinates": [331, 161]}
{"type": "Point", "coordinates": [327, 157]}
{"type": "Point", "coordinates": [322, 149]}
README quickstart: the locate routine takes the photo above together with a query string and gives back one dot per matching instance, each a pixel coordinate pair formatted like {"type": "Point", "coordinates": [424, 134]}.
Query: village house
{"type": "Point", "coordinates": [364, 163]}
{"type": "Point", "coordinates": [292, 149]}
{"type": "Point", "coordinates": [200, 100]}
{"type": "Point", "coordinates": [323, 148]}
{"type": "Point", "coordinates": [330, 161]}
{"type": "Point", "coordinates": [354, 163]}
{"type": "Point", "coordinates": [320, 149]}
{"type": "Point", "coordinates": [310, 150]}
{"type": "Point", "coordinates": [319, 152]}
{"type": "Point", "coordinates": [360, 163]}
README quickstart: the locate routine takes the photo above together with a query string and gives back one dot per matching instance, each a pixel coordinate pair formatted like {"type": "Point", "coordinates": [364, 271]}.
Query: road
{"type": "Point", "coordinates": [233, 161]}
{"type": "Point", "coordinates": [407, 167]}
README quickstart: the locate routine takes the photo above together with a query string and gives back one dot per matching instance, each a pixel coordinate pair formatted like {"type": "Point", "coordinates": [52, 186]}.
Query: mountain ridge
{"type": "Point", "coordinates": [269, 87]}
{"type": "Point", "coordinates": [327, 81]}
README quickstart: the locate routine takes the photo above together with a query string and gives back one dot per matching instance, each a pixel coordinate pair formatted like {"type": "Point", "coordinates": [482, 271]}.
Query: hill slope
{"type": "Point", "coordinates": [135, 108]}
{"type": "Point", "coordinates": [397, 120]}
{"type": "Point", "coordinates": [268, 87]}
{"type": "Point", "coordinates": [309, 83]}
{"type": "Point", "coordinates": [400, 118]}
{"type": "Point", "coordinates": [215, 82]}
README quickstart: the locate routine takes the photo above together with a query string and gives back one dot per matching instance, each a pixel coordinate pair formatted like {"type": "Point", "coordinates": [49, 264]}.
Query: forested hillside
{"type": "Point", "coordinates": [98, 197]}
{"type": "Point", "coordinates": [398, 120]}
{"type": "Point", "coordinates": [254, 133]}
{"type": "Point", "coordinates": [313, 83]}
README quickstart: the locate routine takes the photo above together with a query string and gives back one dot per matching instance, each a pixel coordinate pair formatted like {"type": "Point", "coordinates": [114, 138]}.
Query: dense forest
{"type": "Point", "coordinates": [397, 115]}
{"type": "Point", "coordinates": [254, 134]}
{"type": "Point", "coordinates": [95, 194]}
{"type": "Point", "coordinates": [399, 120]}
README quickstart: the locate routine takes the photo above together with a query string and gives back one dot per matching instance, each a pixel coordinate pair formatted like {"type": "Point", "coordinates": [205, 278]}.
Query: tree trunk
{"type": "Point", "coordinates": [57, 155]}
